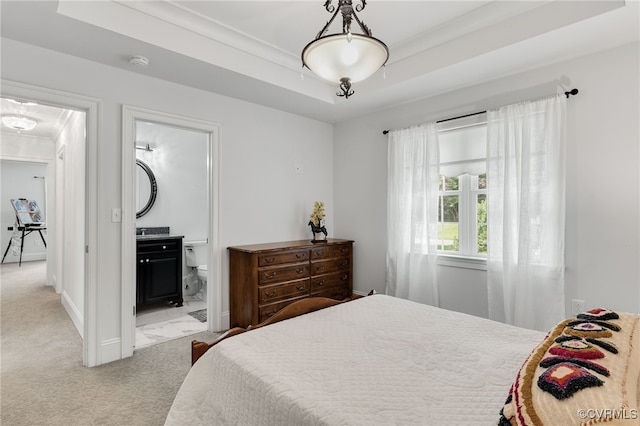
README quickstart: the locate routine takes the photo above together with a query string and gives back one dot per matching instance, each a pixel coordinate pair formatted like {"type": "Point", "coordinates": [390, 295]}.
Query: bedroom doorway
{"type": "Point", "coordinates": [180, 157]}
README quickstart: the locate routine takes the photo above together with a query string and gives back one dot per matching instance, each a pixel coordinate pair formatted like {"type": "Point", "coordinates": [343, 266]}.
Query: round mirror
{"type": "Point", "coordinates": [146, 189]}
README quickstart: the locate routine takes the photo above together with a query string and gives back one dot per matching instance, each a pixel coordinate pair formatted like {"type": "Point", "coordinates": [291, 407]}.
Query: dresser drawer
{"type": "Point", "coordinates": [329, 281]}
{"type": "Point", "coordinates": [283, 257]}
{"type": "Point", "coordinates": [267, 311]}
{"type": "Point", "coordinates": [329, 266]}
{"type": "Point", "coordinates": [337, 293]}
{"type": "Point", "coordinates": [329, 251]}
{"type": "Point", "coordinates": [275, 292]}
{"type": "Point", "coordinates": [288, 273]}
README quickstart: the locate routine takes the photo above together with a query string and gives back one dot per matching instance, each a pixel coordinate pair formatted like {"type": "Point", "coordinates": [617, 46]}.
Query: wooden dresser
{"type": "Point", "coordinates": [264, 278]}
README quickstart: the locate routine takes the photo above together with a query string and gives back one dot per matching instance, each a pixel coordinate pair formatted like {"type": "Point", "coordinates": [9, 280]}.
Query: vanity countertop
{"type": "Point", "coordinates": [158, 237]}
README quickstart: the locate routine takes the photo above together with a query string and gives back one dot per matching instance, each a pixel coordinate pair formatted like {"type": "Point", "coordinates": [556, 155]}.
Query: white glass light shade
{"type": "Point", "coordinates": [334, 57]}
{"type": "Point", "coordinates": [19, 122]}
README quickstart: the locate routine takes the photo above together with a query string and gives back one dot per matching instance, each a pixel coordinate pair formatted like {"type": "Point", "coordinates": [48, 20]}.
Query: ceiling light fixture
{"type": "Point", "coordinates": [19, 122]}
{"type": "Point", "coordinates": [345, 58]}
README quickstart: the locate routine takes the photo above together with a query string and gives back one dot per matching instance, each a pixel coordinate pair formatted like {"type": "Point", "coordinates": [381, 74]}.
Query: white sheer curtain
{"type": "Point", "coordinates": [526, 212]}
{"type": "Point", "coordinates": [412, 213]}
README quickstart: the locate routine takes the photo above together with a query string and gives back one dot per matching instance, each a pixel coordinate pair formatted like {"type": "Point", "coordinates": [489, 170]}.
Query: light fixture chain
{"type": "Point", "coordinates": [326, 27]}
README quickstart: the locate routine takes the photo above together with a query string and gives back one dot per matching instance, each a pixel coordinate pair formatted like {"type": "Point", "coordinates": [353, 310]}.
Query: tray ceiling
{"type": "Point", "coordinates": [251, 49]}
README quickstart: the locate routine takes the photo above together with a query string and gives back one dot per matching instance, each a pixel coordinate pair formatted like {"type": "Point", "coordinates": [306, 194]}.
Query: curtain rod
{"type": "Point", "coordinates": [567, 94]}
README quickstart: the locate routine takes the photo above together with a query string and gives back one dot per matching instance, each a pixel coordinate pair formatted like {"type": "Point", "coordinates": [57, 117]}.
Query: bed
{"type": "Point", "coordinates": [374, 360]}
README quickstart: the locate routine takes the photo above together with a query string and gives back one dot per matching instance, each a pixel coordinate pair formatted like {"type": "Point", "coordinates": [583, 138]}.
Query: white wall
{"type": "Point", "coordinates": [17, 181]}
{"type": "Point", "coordinates": [71, 222]}
{"type": "Point", "coordinates": [603, 184]}
{"type": "Point", "coordinates": [261, 197]}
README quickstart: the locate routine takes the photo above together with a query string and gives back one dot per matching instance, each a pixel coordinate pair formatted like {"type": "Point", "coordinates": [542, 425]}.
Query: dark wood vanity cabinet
{"type": "Point", "coordinates": [264, 278]}
{"type": "Point", "coordinates": [159, 270]}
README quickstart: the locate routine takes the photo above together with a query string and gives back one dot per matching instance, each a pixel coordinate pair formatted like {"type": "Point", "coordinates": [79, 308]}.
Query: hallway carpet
{"type": "Point", "coordinates": [42, 380]}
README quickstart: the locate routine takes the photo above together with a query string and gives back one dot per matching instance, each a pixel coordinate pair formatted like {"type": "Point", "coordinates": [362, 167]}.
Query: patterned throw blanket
{"type": "Point", "coordinates": [585, 372]}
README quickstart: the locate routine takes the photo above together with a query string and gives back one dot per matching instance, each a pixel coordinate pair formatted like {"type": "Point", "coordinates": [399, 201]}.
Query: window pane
{"type": "Point", "coordinates": [482, 239]}
{"type": "Point", "coordinates": [482, 208]}
{"type": "Point", "coordinates": [448, 211]}
{"type": "Point", "coordinates": [451, 184]}
{"type": "Point", "coordinates": [482, 181]}
{"type": "Point", "coordinates": [448, 227]}
{"type": "Point", "coordinates": [448, 237]}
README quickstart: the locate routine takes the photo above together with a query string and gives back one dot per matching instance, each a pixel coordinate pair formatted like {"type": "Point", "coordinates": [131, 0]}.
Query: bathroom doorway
{"type": "Point", "coordinates": [172, 202]}
{"type": "Point", "coordinates": [172, 194]}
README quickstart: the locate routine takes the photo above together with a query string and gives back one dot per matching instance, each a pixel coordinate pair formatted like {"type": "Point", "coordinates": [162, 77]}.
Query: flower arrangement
{"type": "Point", "coordinates": [315, 222]}
{"type": "Point", "coordinates": [317, 216]}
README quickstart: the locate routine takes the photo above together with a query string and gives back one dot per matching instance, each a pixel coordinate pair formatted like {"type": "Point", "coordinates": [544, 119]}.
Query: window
{"type": "Point", "coordinates": [462, 215]}
{"type": "Point", "coordinates": [462, 208]}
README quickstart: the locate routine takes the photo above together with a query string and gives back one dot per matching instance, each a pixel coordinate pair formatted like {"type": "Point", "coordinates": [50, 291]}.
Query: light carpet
{"type": "Point", "coordinates": [42, 380]}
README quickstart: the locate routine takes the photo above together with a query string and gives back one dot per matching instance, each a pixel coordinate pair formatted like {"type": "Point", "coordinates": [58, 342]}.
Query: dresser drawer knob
{"type": "Point", "coordinates": [301, 287]}
{"type": "Point", "coordinates": [345, 277]}
{"type": "Point", "coordinates": [301, 255]}
{"type": "Point", "coordinates": [320, 268]}
{"type": "Point", "coordinates": [269, 260]}
{"type": "Point", "coordinates": [344, 263]}
{"type": "Point", "coordinates": [320, 283]}
{"type": "Point", "coordinates": [270, 314]}
{"type": "Point", "coordinates": [269, 294]}
{"type": "Point", "coordinates": [270, 275]}
{"type": "Point", "coordinates": [320, 253]}
{"type": "Point", "coordinates": [300, 270]}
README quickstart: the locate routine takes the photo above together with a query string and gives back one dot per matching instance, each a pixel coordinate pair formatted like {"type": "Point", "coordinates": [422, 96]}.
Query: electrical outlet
{"type": "Point", "coordinates": [577, 306]}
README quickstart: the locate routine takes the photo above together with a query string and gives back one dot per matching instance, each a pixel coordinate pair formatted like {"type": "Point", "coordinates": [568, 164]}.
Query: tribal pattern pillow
{"type": "Point", "coordinates": [586, 371]}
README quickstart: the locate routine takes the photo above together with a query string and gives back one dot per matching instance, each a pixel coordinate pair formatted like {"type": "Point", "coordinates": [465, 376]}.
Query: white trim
{"type": "Point", "coordinates": [214, 281]}
{"type": "Point", "coordinates": [462, 262]}
{"type": "Point", "coordinates": [92, 107]}
{"type": "Point", "coordinates": [74, 312]}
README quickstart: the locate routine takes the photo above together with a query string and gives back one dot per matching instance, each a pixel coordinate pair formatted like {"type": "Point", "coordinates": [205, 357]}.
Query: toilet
{"type": "Point", "coordinates": [196, 258]}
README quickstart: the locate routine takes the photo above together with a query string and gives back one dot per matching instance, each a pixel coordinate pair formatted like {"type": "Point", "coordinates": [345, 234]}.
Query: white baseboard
{"type": "Point", "coordinates": [110, 350]}
{"type": "Point", "coordinates": [74, 313]}
{"type": "Point", "coordinates": [26, 257]}
{"type": "Point", "coordinates": [226, 320]}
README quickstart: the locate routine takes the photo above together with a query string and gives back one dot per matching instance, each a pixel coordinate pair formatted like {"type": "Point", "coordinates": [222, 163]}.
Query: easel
{"type": "Point", "coordinates": [28, 219]}
{"type": "Point", "coordinates": [26, 230]}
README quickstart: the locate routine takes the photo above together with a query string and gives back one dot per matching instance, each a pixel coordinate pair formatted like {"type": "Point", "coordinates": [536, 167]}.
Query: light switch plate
{"type": "Point", "coordinates": [116, 215]}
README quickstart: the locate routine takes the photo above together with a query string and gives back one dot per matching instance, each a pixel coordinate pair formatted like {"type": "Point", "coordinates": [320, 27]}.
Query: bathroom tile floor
{"type": "Point", "coordinates": [161, 323]}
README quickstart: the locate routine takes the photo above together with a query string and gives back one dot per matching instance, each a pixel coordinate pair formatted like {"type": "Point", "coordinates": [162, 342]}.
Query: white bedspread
{"type": "Point", "coordinates": [373, 361]}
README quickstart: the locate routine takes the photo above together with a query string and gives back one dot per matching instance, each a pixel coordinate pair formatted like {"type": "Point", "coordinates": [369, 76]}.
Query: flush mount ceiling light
{"type": "Point", "coordinates": [345, 58]}
{"type": "Point", "coordinates": [19, 122]}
